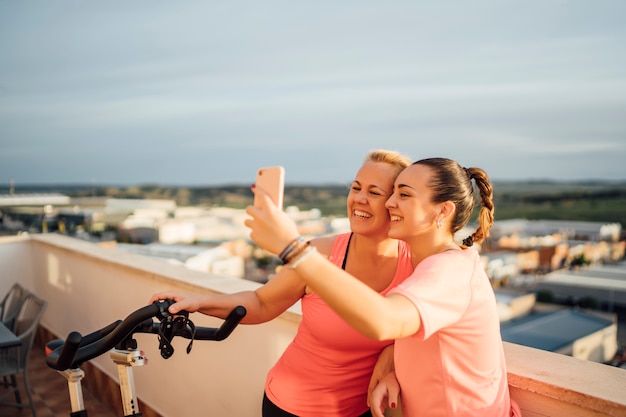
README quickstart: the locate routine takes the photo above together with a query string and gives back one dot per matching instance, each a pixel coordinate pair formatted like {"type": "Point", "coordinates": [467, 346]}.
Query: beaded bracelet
{"type": "Point", "coordinates": [289, 248]}
{"type": "Point", "coordinates": [296, 252]}
{"type": "Point", "coordinates": [309, 250]}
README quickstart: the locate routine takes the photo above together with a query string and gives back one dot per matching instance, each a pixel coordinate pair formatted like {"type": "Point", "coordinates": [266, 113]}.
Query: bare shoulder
{"type": "Point", "coordinates": [324, 244]}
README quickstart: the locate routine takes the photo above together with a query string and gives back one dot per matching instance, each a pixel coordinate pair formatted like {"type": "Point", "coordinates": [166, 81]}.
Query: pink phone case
{"type": "Point", "coordinates": [272, 181]}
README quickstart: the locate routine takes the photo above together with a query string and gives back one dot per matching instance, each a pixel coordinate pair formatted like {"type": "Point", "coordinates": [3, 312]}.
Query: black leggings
{"type": "Point", "coordinates": [272, 410]}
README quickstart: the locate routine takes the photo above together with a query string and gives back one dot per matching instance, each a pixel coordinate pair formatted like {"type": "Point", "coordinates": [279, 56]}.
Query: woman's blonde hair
{"type": "Point", "coordinates": [398, 160]}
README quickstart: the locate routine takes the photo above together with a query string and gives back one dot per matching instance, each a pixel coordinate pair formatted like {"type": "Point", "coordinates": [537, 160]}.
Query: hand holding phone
{"type": "Point", "coordinates": [272, 181]}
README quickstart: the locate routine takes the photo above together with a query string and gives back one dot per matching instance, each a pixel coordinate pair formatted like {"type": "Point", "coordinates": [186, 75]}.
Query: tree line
{"type": "Point", "coordinates": [540, 200]}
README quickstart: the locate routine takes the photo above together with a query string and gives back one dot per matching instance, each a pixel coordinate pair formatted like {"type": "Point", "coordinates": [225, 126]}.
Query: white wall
{"type": "Point", "coordinates": [15, 263]}
{"type": "Point", "coordinates": [88, 287]}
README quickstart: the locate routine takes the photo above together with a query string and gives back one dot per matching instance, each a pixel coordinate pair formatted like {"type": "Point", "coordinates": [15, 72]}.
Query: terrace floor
{"type": "Point", "coordinates": [50, 393]}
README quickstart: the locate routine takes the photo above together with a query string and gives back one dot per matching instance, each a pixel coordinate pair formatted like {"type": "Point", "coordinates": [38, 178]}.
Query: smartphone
{"type": "Point", "coordinates": [272, 181]}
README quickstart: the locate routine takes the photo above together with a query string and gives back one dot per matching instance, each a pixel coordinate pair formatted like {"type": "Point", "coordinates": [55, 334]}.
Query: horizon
{"type": "Point", "coordinates": [537, 181]}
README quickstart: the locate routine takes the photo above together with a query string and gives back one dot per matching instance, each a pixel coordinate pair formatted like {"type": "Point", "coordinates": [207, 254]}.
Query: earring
{"type": "Point", "coordinates": [439, 223]}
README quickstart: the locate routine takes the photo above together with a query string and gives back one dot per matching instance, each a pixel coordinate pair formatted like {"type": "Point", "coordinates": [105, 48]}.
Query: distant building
{"type": "Point", "coordinates": [34, 200]}
{"type": "Point", "coordinates": [500, 266]}
{"type": "Point", "coordinates": [30, 213]}
{"type": "Point", "coordinates": [549, 232]}
{"type": "Point", "coordinates": [218, 260]}
{"type": "Point", "coordinates": [513, 304]}
{"type": "Point", "coordinates": [543, 246]}
{"type": "Point", "coordinates": [567, 331]}
{"type": "Point", "coordinates": [606, 284]}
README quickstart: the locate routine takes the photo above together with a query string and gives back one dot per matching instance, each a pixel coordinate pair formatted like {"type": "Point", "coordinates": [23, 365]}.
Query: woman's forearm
{"type": "Point", "coordinates": [220, 305]}
{"type": "Point", "coordinates": [375, 316]}
{"type": "Point", "coordinates": [262, 305]}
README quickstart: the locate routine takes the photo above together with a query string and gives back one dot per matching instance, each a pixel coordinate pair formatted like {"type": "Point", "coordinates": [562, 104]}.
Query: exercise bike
{"type": "Point", "coordinates": [67, 356]}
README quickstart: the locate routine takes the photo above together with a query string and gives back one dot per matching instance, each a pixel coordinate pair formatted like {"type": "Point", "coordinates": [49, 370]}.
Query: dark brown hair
{"type": "Point", "coordinates": [452, 182]}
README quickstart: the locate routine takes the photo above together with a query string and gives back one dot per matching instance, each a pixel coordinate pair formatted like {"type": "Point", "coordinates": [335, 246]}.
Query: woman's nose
{"type": "Point", "coordinates": [361, 197]}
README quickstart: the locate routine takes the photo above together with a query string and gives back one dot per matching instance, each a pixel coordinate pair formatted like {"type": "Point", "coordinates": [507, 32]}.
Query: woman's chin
{"type": "Point", "coordinates": [394, 234]}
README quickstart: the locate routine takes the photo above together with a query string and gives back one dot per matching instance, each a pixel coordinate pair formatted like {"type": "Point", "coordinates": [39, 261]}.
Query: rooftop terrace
{"type": "Point", "coordinates": [88, 287]}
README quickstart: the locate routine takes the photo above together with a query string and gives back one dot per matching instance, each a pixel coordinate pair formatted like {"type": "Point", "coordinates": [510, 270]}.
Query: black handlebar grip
{"type": "Point", "coordinates": [64, 359]}
{"type": "Point", "coordinates": [75, 353]}
{"type": "Point", "coordinates": [125, 328]}
{"type": "Point", "coordinates": [99, 334]}
{"type": "Point", "coordinates": [55, 348]}
{"type": "Point", "coordinates": [227, 327]}
{"type": "Point", "coordinates": [231, 322]}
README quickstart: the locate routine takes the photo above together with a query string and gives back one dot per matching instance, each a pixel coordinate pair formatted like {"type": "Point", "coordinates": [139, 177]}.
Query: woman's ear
{"type": "Point", "coordinates": [447, 209]}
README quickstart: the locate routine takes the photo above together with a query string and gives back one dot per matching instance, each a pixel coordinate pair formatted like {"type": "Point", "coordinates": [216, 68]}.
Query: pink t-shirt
{"type": "Point", "coordinates": [454, 365]}
{"type": "Point", "coordinates": [326, 369]}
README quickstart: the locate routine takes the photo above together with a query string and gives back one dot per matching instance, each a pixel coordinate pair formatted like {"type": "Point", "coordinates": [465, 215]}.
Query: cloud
{"type": "Point", "coordinates": [151, 91]}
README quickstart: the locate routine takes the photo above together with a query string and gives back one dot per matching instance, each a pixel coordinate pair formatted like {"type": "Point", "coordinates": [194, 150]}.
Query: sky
{"type": "Point", "coordinates": [199, 92]}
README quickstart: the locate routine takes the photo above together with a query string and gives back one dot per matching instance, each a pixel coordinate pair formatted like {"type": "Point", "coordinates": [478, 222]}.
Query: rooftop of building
{"type": "Point", "coordinates": [88, 287]}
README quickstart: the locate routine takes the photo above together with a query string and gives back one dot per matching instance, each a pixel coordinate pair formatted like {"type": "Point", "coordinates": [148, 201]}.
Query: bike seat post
{"type": "Point", "coordinates": [126, 360]}
{"type": "Point", "coordinates": [74, 378]}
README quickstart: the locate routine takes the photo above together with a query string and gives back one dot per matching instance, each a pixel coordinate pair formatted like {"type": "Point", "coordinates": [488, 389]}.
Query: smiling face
{"type": "Point", "coordinates": [411, 209]}
{"type": "Point", "coordinates": [366, 201]}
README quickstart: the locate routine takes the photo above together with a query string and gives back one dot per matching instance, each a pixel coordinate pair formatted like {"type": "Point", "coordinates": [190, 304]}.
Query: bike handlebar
{"type": "Point", "coordinates": [77, 349]}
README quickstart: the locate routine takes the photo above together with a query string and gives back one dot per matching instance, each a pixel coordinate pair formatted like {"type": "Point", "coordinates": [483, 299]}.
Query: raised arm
{"type": "Point", "coordinates": [375, 316]}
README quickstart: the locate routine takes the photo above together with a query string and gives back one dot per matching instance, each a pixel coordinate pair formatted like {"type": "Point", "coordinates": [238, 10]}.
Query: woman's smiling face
{"type": "Point", "coordinates": [410, 207]}
{"type": "Point", "coordinates": [366, 200]}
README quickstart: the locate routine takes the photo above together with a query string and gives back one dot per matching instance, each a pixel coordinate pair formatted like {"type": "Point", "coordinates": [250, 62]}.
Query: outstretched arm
{"type": "Point", "coordinates": [264, 304]}
{"type": "Point", "coordinates": [375, 316]}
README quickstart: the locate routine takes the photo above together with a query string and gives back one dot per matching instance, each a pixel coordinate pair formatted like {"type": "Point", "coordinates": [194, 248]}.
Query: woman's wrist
{"type": "Point", "coordinates": [294, 249]}
{"type": "Point", "coordinates": [301, 256]}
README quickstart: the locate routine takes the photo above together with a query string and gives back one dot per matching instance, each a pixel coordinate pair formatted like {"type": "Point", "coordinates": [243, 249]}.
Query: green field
{"type": "Point", "coordinates": [596, 202]}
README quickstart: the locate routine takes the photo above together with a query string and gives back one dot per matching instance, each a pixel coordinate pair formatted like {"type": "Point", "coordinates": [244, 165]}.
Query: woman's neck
{"type": "Point", "coordinates": [424, 246]}
{"type": "Point", "coordinates": [374, 246]}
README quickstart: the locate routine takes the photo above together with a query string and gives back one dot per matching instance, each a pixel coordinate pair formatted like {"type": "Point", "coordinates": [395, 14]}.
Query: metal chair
{"type": "Point", "coordinates": [14, 360]}
{"type": "Point", "coordinates": [9, 308]}
{"type": "Point", "coordinates": [10, 305]}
